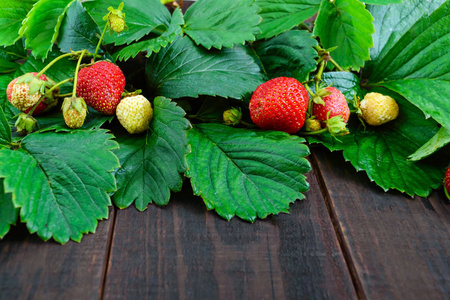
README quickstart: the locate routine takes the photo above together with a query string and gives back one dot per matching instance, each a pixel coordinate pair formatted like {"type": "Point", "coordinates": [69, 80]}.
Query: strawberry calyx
{"type": "Point", "coordinates": [25, 124]}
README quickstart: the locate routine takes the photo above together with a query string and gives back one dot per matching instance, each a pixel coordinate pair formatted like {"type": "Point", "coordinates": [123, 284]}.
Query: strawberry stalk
{"type": "Point", "coordinates": [100, 41]}
{"type": "Point", "coordinates": [74, 91]}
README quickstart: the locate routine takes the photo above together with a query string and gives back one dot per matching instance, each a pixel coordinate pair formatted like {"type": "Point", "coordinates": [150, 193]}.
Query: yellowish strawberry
{"type": "Point", "coordinates": [134, 113]}
{"type": "Point", "coordinates": [377, 109]}
{"type": "Point", "coordinates": [74, 112]}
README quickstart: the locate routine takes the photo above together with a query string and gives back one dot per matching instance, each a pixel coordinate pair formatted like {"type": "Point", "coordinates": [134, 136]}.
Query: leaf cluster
{"type": "Point", "coordinates": [194, 64]}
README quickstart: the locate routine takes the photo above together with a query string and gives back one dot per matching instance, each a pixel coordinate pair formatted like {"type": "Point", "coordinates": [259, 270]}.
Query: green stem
{"type": "Point", "coordinates": [100, 40]}
{"type": "Point", "coordinates": [310, 103]}
{"type": "Point", "coordinates": [53, 62]}
{"type": "Point", "coordinates": [74, 91]}
{"type": "Point", "coordinates": [320, 72]}
{"type": "Point", "coordinates": [63, 95]}
{"type": "Point", "coordinates": [58, 84]}
{"type": "Point", "coordinates": [314, 132]}
{"type": "Point", "coordinates": [335, 64]}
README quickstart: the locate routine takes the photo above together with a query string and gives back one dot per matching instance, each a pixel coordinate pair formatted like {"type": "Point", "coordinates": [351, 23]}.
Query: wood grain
{"type": "Point", "coordinates": [184, 251]}
{"type": "Point", "coordinates": [399, 246]}
{"type": "Point", "coordinates": [33, 269]}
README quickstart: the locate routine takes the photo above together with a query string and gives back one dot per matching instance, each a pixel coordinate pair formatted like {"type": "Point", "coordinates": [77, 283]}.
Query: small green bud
{"type": "Point", "coordinates": [25, 124]}
{"type": "Point", "coordinates": [232, 116]}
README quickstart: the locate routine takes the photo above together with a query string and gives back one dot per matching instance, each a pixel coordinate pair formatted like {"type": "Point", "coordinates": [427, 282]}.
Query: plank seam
{"type": "Point", "coordinates": [357, 284]}
{"type": "Point", "coordinates": [108, 254]}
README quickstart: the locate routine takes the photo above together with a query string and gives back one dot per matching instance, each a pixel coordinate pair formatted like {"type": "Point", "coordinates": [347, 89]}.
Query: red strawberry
{"type": "Point", "coordinates": [447, 183]}
{"type": "Point", "coordinates": [279, 104]}
{"type": "Point", "coordinates": [101, 86]}
{"type": "Point", "coordinates": [334, 103]}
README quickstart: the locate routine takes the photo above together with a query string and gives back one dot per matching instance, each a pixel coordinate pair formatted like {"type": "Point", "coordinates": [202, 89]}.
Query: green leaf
{"type": "Point", "coordinates": [280, 16]}
{"type": "Point", "coordinates": [391, 22]}
{"type": "Point", "coordinates": [183, 69]}
{"type": "Point", "coordinates": [346, 82]}
{"type": "Point", "coordinates": [246, 173]}
{"type": "Point", "coordinates": [417, 65]}
{"type": "Point", "coordinates": [141, 17]}
{"type": "Point", "coordinates": [155, 44]}
{"type": "Point", "coordinates": [152, 164]}
{"type": "Point", "coordinates": [61, 181]}
{"type": "Point", "coordinates": [290, 54]}
{"type": "Point", "coordinates": [438, 141]}
{"type": "Point", "coordinates": [13, 13]}
{"type": "Point", "coordinates": [78, 31]}
{"type": "Point", "coordinates": [8, 213]}
{"type": "Point", "coordinates": [222, 23]}
{"type": "Point", "coordinates": [382, 151]}
{"type": "Point", "coordinates": [430, 95]}
{"type": "Point", "coordinates": [41, 26]}
{"type": "Point", "coordinates": [347, 25]}
{"type": "Point", "coordinates": [382, 2]}
{"type": "Point", "coordinates": [5, 129]}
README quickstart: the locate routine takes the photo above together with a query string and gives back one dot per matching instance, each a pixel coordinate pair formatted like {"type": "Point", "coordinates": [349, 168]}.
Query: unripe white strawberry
{"type": "Point", "coordinates": [377, 109]}
{"type": "Point", "coordinates": [134, 113]}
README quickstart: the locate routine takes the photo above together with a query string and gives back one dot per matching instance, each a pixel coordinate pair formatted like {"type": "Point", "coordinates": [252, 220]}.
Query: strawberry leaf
{"type": "Point", "coordinates": [246, 173]}
{"type": "Point", "coordinates": [13, 13]}
{"type": "Point", "coordinates": [290, 54]}
{"type": "Point", "coordinates": [183, 69]}
{"type": "Point", "coordinates": [5, 129]}
{"type": "Point", "coordinates": [222, 23]}
{"type": "Point", "coordinates": [347, 25]}
{"type": "Point", "coordinates": [141, 17]}
{"type": "Point", "coordinates": [438, 141]}
{"type": "Point", "coordinates": [41, 26]}
{"type": "Point", "coordinates": [8, 213]}
{"type": "Point", "coordinates": [61, 181]}
{"type": "Point", "coordinates": [156, 43]}
{"type": "Point", "coordinates": [151, 165]}
{"type": "Point", "coordinates": [417, 65]}
{"type": "Point", "coordinates": [382, 151]}
{"type": "Point", "coordinates": [381, 2]}
{"type": "Point", "coordinates": [280, 16]}
{"type": "Point", "coordinates": [392, 22]}
{"type": "Point", "coordinates": [78, 31]}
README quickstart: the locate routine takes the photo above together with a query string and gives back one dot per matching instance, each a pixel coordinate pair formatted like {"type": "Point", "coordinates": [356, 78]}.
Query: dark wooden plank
{"type": "Point", "coordinates": [33, 269]}
{"type": "Point", "coordinates": [183, 251]}
{"type": "Point", "coordinates": [399, 246]}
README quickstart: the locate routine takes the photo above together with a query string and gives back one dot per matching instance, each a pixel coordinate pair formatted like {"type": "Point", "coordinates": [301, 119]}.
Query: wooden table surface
{"type": "Point", "coordinates": [347, 240]}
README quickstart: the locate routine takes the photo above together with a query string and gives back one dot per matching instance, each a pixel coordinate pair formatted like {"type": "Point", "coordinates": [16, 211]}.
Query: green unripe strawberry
{"type": "Point", "coordinates": [377, 109]}
{"type": "Point", "coordinates": [134, 113]}
{"type": "Point", "coordinates": [232, 116]}
{"type": "Point", "coordinates": [74, 112]}
{"type": "Point", "coordinates": [116, 19]}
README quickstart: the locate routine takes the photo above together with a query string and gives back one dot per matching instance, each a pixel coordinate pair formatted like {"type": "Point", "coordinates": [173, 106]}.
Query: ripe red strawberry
{"type": "Point", "coordinates": [279, 104]}
{"type": "Point", "coordinates": [447, 183]}
{"type": "Point", "coordinates": [101, 86]}
{"type": "Point", "coordinates": [334, 103]}
{"type": "Point", "coordinates": [21, 96]}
